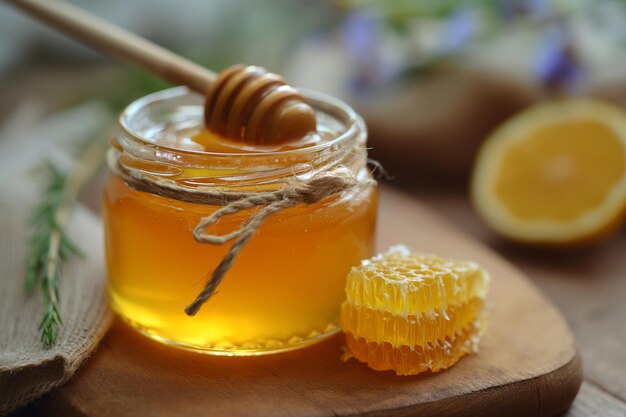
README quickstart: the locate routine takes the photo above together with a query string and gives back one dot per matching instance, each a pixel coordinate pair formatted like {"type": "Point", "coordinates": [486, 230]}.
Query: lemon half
{"type": "Point", "coordinates": [555, 173]}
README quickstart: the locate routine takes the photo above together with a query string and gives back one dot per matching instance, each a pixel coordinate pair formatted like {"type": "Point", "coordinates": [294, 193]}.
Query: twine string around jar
{"type": "Point", "coordinates": [320, 185]}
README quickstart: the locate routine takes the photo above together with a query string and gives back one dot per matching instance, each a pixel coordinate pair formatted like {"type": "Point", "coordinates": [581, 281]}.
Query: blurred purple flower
{"type": "Point", "coordinates": [361, 32]}
{"type": "Point", "coordinates": [512, 9]}
{"type": "Point", "coordinates": [556, 63]}
{"type": "Point", "coordinates": [458, 30]}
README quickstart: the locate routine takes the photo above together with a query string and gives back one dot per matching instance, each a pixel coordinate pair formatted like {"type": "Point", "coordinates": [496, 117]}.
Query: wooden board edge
{"type": "Point", "coordinates": [558, 388]}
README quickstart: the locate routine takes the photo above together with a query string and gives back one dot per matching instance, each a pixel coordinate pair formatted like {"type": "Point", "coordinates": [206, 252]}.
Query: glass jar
{"type": "Point", "coordinates": [285, 288]}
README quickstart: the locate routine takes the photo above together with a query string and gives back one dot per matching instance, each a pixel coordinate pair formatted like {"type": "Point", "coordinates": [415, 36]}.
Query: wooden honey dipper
{"type": "Point", "coordinates": [243, 103]}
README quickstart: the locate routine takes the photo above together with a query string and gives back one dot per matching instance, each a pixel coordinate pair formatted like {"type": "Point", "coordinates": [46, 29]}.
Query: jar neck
{"type": "Point", "coordinates": [268, 169]}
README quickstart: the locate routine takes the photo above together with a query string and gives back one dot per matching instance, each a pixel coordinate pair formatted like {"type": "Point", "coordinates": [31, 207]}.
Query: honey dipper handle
{"type": "Point", "coordinates": [117, 42]}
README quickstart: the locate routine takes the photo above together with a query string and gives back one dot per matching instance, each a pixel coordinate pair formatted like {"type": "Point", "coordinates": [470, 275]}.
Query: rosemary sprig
{"type": "Point", "coordinates": [50, 245]}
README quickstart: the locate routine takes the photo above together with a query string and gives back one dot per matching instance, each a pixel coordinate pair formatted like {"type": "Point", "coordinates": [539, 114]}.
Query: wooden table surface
{"type": "Point", "coordinates": [587, 285]}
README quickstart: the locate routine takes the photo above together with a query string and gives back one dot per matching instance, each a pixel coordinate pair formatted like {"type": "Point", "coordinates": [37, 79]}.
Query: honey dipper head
{"type": "Point", "coordinates": [250, 105]}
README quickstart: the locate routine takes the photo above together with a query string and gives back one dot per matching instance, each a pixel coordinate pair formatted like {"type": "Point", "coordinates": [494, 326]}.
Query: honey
{"type": "Point", "coordinates": [285, 288]}
{"type": "Point", "coordinates": [412, 313]}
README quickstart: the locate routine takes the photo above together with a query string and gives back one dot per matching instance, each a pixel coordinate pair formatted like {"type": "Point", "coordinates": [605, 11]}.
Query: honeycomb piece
{"type": "Point", "coordinates": [381, 326]}
{"type": "Point", "coordinates": [406, 360]}
{"type": "Point", "coordinates": [405, 284]}
{"type": "Point", "coordinates": [412, 313]}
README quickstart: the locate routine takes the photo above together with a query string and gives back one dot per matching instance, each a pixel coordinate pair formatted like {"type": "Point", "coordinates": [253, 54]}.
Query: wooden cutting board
{"type": "Point", "coordinates": [528, 364]}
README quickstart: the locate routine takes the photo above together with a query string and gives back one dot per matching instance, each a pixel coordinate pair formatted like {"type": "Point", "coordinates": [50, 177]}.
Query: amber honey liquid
{"type": "Point", "coordinates": [283, 291]}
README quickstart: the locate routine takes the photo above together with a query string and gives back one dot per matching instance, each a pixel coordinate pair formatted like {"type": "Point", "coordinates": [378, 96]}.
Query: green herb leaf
{"type": "Point", "coordinates": [49, 245]}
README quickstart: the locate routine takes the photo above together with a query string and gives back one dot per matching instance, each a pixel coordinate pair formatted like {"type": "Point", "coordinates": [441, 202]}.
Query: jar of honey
{"type": "Point", "coordinates": [285, 288]}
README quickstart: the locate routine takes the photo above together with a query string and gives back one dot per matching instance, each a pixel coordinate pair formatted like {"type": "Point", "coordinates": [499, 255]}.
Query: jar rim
{"type": "Point", "coordinates": [352, 122]}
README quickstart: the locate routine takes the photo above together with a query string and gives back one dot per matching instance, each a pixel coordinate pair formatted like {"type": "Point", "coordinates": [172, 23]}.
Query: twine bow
{"type": "Point", "coordinates": [308, 192]}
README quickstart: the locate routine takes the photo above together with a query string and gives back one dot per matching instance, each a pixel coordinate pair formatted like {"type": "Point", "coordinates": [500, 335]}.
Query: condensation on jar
{"type": "Point", "coordinates": [285, 288]}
